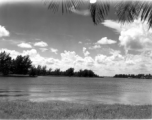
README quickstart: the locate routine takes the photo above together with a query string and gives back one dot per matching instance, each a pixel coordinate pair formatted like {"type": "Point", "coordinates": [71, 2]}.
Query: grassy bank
{"type": "Point", "coordinates": [61, 110]}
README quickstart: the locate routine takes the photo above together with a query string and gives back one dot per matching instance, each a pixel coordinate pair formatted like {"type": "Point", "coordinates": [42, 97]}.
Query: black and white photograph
{"type": "Point", "coordinates": [75, 59]}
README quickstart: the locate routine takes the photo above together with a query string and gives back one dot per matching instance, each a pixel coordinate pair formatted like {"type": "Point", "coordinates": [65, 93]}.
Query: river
{"type": "Point", "coordinates": [76, 89]}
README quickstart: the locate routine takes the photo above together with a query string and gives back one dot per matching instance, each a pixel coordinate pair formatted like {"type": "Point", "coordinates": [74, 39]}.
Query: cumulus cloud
{"type": "Point", "coordinates": [43, 49]}
{"type": "Point", "coordinates": [41, 44]}
{"type": "Point", "coordinates": [133, 36]}
{"type": "Point", "coordinates": [13, 53]}
{"type": "Point", "coordinates": [3, 31]}
{"type": "Point", "coordinates": [85, 52]}
{"type": "Point", "coordinates": [54, 50]}
{"type": "Point", "coordinates": [112, 64]}
{"type": "Point", "coordinates": [105, 40]}
{"type": "Point", "coordinates": [136, 36]}
{"type": "Point", "coordinates": [96, 46]}
{"type": "Point", "coordinates": [24, 45]}
{"type": "Point", "coordinates": [101, 59]}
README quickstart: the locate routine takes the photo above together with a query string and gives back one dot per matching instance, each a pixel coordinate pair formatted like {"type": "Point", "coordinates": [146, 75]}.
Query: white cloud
{"type": "Point", "coordinates": [115, 63]}
{"type": "Point", "coordinates": [112, 24]}
{"type": "Point", "coordinates": [105, 40]}
{"type": "Point", "coordinates": [12, 41]}
{"type": "Point", "coordinates": [101, 59]}
{"type": "Point", "coordinates": [114, 52]}
{"type": "Point", "coordinates": [85, 12]}
{"type": "Point", "coordinates": [80, 42]}
{"type": "Point", "coordinates": [54, 50]}
{"type": "Point", "coordinates": [3, 31]}
{"type": "Point", "coordinates": [43, 49]}
{"type": "Point", "coordinates": [41, 44]}
{"type": "Point", "coordinates": [96, 46]}
{"type": "Point", "coordinates": [136, 36]}
{"type": "Point", "coordinates": [13, 53]}
{"type": "Point", "coordinates": [84, 49]}
{"type": "Point", "coordinates": [85, 52]}
{"type": "Point", "coordinates": [24, 45]}
{"type": "Point", "coordinates": [133, 36]}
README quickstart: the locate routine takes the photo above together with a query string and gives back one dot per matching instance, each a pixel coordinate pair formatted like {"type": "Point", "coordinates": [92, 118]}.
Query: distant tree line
{"type": "Point", "coordinates": [41, 70]}
{"type": "Point", "coordinates": [22, 65]}
{"type": "Point", "coordinates": [142, 76]}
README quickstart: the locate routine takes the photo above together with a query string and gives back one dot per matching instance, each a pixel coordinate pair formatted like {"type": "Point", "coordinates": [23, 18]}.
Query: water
{"type": "Point", "coordinates": [81, 90]}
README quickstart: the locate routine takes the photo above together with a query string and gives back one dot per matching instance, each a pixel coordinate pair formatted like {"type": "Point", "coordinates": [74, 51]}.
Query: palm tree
{"type": "Point", "coordinates": [126, 11]}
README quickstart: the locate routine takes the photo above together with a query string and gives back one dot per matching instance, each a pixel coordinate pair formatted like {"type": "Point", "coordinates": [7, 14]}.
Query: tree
{"type": "Point", "coordinates": [69, 72]}
{"type": "Point", "coordinates": [22, 64]}
{"type": "Point", "coordinates": [39, 70]}
{"type": "Point", "coordinates": [33, 71]}
{"type": "Point", "coordinates": [5, 63]}
{"type": "Point", "coordinates": [57, 72]}
{"type": "Point", "coordinates": [126, 11]}
{"type": "Point", "coordinates": [44, 71]}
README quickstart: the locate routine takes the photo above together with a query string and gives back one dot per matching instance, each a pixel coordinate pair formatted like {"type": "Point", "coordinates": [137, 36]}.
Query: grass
{"type": "Point", "coordinates": [64, 110]}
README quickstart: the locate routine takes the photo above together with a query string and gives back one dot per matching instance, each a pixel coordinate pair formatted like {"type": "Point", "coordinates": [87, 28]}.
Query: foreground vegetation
{"type": "Point", "coordinates": [62, 110]}
{"type": "Point", "coordinates": [22, 65]}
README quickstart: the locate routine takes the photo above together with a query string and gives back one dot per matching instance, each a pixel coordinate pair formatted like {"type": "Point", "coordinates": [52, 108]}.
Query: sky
{"type": "Point", "coordinates": [72, 40]}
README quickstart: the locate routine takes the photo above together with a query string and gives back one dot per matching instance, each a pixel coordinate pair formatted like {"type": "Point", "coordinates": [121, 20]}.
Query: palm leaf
{"type": "Point", "coordinates": [128, 11]}
{"type": "Point", "coordinates": [99, 11]}
{"type": "Point", "coordinates": [63, 5]}
{"type": "Point", "coordinates": [146, 13]}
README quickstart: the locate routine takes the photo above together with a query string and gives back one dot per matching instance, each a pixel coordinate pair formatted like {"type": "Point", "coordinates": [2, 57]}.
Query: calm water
{"type": "Point", "coordinates": [84, 90]}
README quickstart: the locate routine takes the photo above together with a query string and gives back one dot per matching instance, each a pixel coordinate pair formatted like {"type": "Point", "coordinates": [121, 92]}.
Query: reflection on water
{"type": "Point", "coordinates": [91, 90]}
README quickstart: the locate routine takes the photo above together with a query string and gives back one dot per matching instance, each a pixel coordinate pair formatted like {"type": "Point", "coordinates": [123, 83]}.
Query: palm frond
{"type": "Point", "coordinates": [146, 13]}
{"type": "Point", "coordinates": [63, 5]}
{"type": "Point", "coordinates": [99, 11]}
{"type": "Point", "coordinates": [128, 11]}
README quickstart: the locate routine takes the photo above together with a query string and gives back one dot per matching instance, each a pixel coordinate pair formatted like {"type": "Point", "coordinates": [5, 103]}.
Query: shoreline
{"type": "Point", "coordinates": [21, 109]}
{"type": "Point", "coordinates": [16, 75]}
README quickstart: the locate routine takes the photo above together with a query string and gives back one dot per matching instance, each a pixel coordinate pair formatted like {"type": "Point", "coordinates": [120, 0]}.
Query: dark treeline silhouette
{"type": "Point", "coordinates": [22, 65]}
{"type": "Point", "coordinates": [142, 76]}
{"type": "Point", "coordinates": [42, 71]}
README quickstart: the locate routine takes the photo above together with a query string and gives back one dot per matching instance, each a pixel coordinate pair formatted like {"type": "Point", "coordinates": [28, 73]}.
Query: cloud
{"type": "Point", "coordinates": [114, 52]}
{"type": "Point", "coordinates": [80, 42]}
{"type": "Point", "coordinates": [3, 32]}
{"type": "Point", "coordinates": [101, 59]}
{"type": "Point", "coordinates": [43, 49]}
{"type": "Point", "coordinates": [85, 52]}
{"type": "Point", "coordinates": [96, 46]}
{"type": "Point", "coordinates": [105, 40]}
{"type": "Point", "coordinates": [13, 53]}
{"type": "Point", "coordinates": [41, 44]}
{"type": "Point", "coordinates": [80, 12]}
{"type": "Point", "coordinates": [24, 45]}
{"type": "Point", "coordinates": [54, 50]}
{"type": "Point", "coordinates": [134, 36]}
{"type": "Point", "coordinates": [112, 24]}
{"type": "Point", "coordinates": [115, 63]}
{"type": "Point", "coordinates": [12, 41]}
